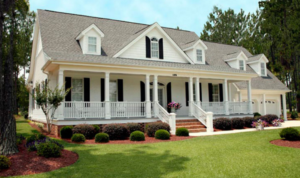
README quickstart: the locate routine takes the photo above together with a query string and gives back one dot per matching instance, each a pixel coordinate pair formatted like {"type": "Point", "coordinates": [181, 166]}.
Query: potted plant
{"type": "Point", "coordinates": [174, 106]}
{"type": "Point", "coordinates": [277, 122]}
{"type": "Point", "coordinates": [260, 124]}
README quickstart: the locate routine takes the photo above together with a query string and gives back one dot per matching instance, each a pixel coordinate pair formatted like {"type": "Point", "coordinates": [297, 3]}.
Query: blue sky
{"type": "Point", "coordinates": [187, 14]}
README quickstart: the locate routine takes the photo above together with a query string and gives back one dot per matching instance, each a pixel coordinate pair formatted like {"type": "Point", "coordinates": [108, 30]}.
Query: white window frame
{"type": "Point", "coordinates": [263, 69]}
{"type": "Point", "coordinates": [199, 55]}
{"type": "Point", "coordinates": [89, 51]}
{"type": "Point", "coordinates": [242, 67]}
{"type": "Point", "coordinates": [74, 92]}
{"type": "Point", "coordinates": [152, 50]}
{"type": "Point", "coordinates": [116, 90]}
{"type": "Point", "coordinates": [215, 94]}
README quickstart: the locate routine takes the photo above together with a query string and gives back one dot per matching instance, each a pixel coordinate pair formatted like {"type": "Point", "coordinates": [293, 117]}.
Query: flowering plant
{"type": "Point", "coordinates": [277, 122]}
{"type": "Point", "coordinates": [174, 105]}
{"type": "Point", "coordinates": [259, 123]}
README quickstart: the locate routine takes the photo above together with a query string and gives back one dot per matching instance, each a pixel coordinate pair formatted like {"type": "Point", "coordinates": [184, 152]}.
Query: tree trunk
{"type": "Point", "coordinates": [8, 127]}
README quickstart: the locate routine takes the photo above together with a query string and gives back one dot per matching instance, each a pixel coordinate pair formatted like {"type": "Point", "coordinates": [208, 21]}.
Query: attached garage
{"type": "Point", "coordinates": [272, 107]}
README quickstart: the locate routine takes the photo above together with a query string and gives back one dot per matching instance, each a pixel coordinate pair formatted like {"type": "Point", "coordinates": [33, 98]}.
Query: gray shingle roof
{"type": "Point", "coordinates": [255, 57]}
{"type": "Point", "coordinates": [59, 30]}
{"type": "Point", "coordinates": [231, 56]}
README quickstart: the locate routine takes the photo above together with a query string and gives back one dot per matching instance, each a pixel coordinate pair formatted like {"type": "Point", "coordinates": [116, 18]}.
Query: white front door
{"type": "Point", "coordinates": [160, 96]}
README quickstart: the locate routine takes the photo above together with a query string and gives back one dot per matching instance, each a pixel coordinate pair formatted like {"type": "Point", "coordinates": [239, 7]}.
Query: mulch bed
{"type": "Point", "coordinates": [286, 143]}
{"type": "Point", "coordinates": [26, 163]}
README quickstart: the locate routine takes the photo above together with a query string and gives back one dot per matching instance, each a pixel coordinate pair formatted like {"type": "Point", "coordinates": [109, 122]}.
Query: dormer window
{"type": "Point", "coordinates": [263, 69]}
{"type": "Point", "coordinates": [199, 55]}
{"type": "Point", "coordinates": [241, 65]}
{"type": "Point", "coordinates": [92, 44]}
{"type": "Point", "coordinates": [154, 48]}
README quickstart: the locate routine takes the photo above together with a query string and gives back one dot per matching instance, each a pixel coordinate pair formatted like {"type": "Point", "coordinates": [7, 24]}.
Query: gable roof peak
{"type": "Point", "coordinates": [92, 26]}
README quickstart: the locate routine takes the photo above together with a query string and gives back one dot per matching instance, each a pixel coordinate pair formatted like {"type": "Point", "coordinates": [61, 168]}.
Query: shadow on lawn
{"type": "Point", "coordinates": [141, 161]}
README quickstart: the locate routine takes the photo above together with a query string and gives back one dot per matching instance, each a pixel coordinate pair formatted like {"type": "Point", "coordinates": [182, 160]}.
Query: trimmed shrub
{"type": "Point", "coordinates": [134, 127]}
{"type": "Point", "coordinates": [66, 132]}
{"type": "Point", "coordinates": [294, 114]}
{"type": "Point", "coordinates": [155, 126]}
{"type": "Point", "coordinates": [222, 123]}
{"type": "Point", "coordinates": [162, 134]}
{"type": "Point", "coordinates": [137, 136]}
{"type": "Point", "coordinates": [248, 121]}
{"type": "Point", "coordinates": [182, 132]}
{"type": "Point", "coordinates": [20, 139]}
{"type": "Point", "coordinates": [116, 131]}
{"type": "Point", "coordinates": [31, 138]}
{"type": "Point", "coordinates": [256, 114]}
{"type": "Point", "coordinates": [237, 123]}
{"type": "Point", "coordinates": [101, 138]}
{"type": "Point", "coordinates": [4, 162]}
{"type": "Point", "coordinates": [40, 136]}
{"type": "Point", "coordinates": [48, 150]}
{"type": "Point", "coordinates": [78, 137]}
{"type": "Point", "coordinates": [96, 129]}
{"type": "Point", "coordinates": [289, 134]}
{"type": "Point", "coordinates": [32, 146]}
{"type": "Point", "coordinates": [87, 130]}
{"type": "Point", "coordinates": [269, 118]}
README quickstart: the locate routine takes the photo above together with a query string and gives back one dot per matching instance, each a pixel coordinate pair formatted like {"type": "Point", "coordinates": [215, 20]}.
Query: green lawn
{"type": "Point", "coordinates": [235, 155]}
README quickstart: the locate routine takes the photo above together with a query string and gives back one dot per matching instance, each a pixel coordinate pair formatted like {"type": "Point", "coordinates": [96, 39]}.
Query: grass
{"type": "Point", "coordinates": [233, 155]}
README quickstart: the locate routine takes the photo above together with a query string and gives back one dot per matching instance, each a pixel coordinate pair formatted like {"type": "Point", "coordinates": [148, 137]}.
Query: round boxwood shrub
{"type": "Point", "coordinates": [87, 130]}
{"type": "Point", "coordinates": [289, 134]}
{"type": "Point", "coordinates": [155, 126]}
{"type": "Point", "coordinates": [237, 123]}
{"type": "Point", "coordinates": [269, 118]}
{"type": "Point", "coordinates": [256, 114]}
{"type": "Point", "coordinates": [48, 150]}
{"type": "Point", "coordinates": [137, 136]}
{"type": "Point", "coordinates": [134, 127]}
{"type": "Point", "coordinates": [4, 162]}
{"type": "Point", "coordinates": [31, 138]}
{"type": "Point", "coordinates": [222, 123]}
{"type": "Point", "coordinates": [116, 131]}
{"type": "Point", "coordinates": [162, 134]}
{"type": "Point", "coordinates": [294, 114]}
{"type": "Point", "coordinates": [101, 138]}
{"type": "Point", "coordinates": [66, 132]}
{"type": "Point", "coordinates": [249, 120]}
{"type": "Point", "coordinates": [78, 137]}
{"type": "Point", "coordinates": [182, 132]}
{"type": "Point", "coordinates": [96, 129]}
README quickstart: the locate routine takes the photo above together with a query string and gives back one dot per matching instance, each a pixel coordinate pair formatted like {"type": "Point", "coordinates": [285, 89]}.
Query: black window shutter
{"type": "Point", "coordinates": [120, 90]}
{"type": "Point", "coordinates": [187, 93]}
{"type": "Point", "coordinates": [68, 85]}
{"type": "Point", "coordinates": [200, 88]}
{"type": "Point", "coordinates": [102, 90]}
{"type": "Point", "coordinates": [161, 48]}
{"type": "Point", "coordinates": [210, 95]}
{"type": "Point", "coordinates": [148, 47]}
{"type": "Point", "coordinates": [142, 86]}
{"type": "Point", "coordinates": [221, 92]}
{"type": "Point", "coordinates": [86, 89]}
{"type": "Point", "coordinates": [169, 94]}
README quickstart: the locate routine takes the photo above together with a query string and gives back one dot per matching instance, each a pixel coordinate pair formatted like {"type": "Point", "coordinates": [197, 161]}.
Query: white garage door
{"type": "Point", "coordinates": [272, 107]}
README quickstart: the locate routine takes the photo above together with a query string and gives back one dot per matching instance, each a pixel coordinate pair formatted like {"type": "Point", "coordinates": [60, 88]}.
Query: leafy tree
{"type": "Point", "coordinates": [49, 100]}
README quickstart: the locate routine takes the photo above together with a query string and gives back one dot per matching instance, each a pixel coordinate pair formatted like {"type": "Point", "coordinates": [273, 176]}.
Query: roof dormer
{"type": "Point", "coordinates": [259, 64]}
{"type": "Point", "coordinates": [90, 40]}
{"type": "Point", "coordinates": [196, 52]}
{"type": "Point", "coordinates": [236, 60]}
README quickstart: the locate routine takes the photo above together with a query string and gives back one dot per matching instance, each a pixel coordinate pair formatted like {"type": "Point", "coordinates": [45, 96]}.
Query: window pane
{"type": "Point", "coordinates": [241, 65]}
{"type": "Point", "coordinates": [92, 48]}
{"type": "Point", "coordinates": [199, 55]}
{"type": "Point", "coordinates": [77, 96]}
{"type": "Point", "coordinates": [92, 40]}
{"type": "Point", "coordinates": [215, 93]}
{"type": "Point", "coordinates": [263, 70]}
{"type": "Point", "coordinates": [77, 90]}
{"type": "Point", "coordinates": [92, 44]}
{"type": "Point", "coordinates": [113, 91]}
{"type": "Point", "coordinates": [154, 49]}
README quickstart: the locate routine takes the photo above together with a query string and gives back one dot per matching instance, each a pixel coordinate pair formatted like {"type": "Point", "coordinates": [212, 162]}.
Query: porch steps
{"type": "Point", "coordinates": [193, 125]}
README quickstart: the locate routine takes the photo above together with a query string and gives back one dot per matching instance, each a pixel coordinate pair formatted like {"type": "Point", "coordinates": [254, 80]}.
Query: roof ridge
{"type": "Point", "coordinates": [223, 44]}
{"type": "Point", "coordinates": [110, 19]}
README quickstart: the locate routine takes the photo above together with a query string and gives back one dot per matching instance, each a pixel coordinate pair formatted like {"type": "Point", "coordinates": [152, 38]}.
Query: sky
{"type": "Point", "coordinates": [187, 14]}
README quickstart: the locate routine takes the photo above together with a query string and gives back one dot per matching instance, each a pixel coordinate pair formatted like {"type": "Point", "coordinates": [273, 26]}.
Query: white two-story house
{"type": "Point", "coordinates": [128, 72]}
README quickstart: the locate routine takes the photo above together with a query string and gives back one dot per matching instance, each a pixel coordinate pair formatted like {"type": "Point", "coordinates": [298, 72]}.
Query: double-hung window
{"type": "Point", "coordinates": [215, 93]}
{"type": "Point", "coordinates": [241, 65]}
{"type": "Point", "coordinates": [113, 91]}
{"type": "Point", "coordinates": [92, 44]}
{"type": "Point", "coordinates": [154, 48]}
{"type": "Point", "coordinates": [263, 69]}
{"type": "Point", "coordinates": [77, 90]}
{"type": "Point", "coordinates": [199, 55]}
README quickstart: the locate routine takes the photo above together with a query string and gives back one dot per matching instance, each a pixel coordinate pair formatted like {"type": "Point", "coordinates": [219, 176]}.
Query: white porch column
{"type": "Point", "coordinates": [148, 103]}
{"type": "Point", "coordinates": [30, 103]}
{"type": "Point", "coordinates": [107, 102]}
{"type": "Point", "coordinates": [249, 96]}
{"type": "Point", "coordinates": [60, 109]}
{"type": "Point", "coordinates": [264, 109]}
{"type": "Point", "coordinates": [197, 88]}
{"type": "Point", "coordinates": [229, 92]}
{"type": "Point", "coordinates": [284, 106]}
{"type": "Point", "coordinates": [155, 93]}
{"type": "Point", "coordinates": [225, 93]}
{"type": "Point", "coordinates": [191, 98]}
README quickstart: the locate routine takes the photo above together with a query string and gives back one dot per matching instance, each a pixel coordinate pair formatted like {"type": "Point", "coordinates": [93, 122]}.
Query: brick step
{"type": "Point", "coordinates": [191, 126]}
{"type": "Point", "coordinates": [187, 120]}
{"type": "Point", "coordinates": [197, 130]}
{"type": "Point", "coordinates": [189, 123]}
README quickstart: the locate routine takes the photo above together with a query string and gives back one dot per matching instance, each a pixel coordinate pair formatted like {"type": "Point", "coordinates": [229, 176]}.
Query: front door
{"type": "Point", "coordinates": [160, 96]}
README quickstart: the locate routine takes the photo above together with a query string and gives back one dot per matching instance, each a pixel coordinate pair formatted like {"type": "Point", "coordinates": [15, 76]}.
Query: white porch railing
{"type": "Point", "coordinates": [164, 116]}
{"type": "Point", "coordinates": [84, 109]}
{"type": "Point", "coordinates": [199, 113]}
{"type": "Point", "coordinates": [239, 107]}
{"type": "Point", "coordinates": [215, 107]}
{"type": "Point", "coordinates": [232, 107]}
{"type": "Point", "coordinates": [128, 109]}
